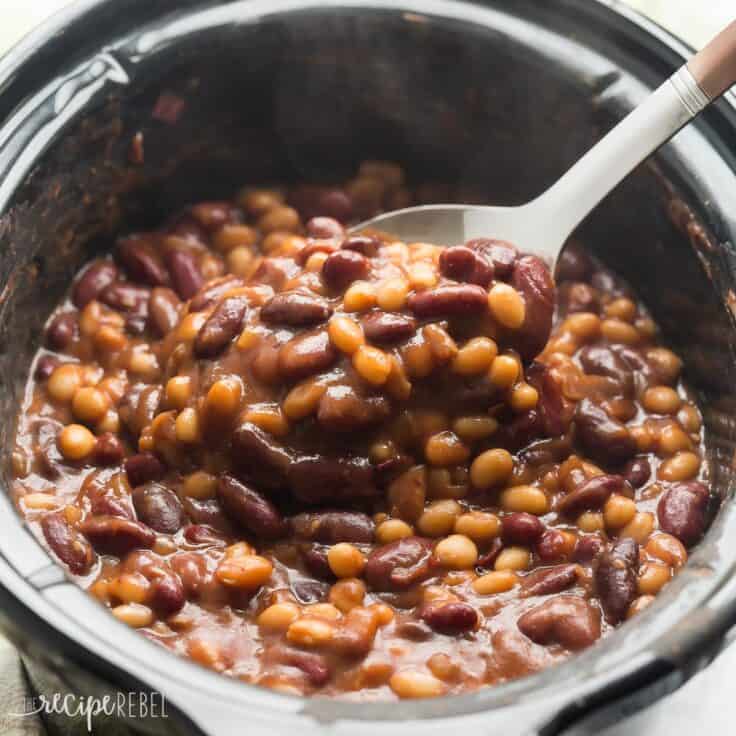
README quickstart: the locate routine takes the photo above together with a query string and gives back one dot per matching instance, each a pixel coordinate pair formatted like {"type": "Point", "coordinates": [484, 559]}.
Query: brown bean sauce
{"type": "Point", "coordinates": [346, 465]}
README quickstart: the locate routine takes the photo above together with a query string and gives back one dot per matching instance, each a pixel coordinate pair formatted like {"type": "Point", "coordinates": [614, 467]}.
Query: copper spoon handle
{"type": "Point", "coordinates": [674, 104]}
{"type": "Point", "coordinates": [714, 68]}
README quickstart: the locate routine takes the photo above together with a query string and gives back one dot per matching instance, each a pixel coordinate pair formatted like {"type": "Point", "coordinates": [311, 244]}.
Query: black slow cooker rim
{"type": "Point", "coordinates": [22, 70]}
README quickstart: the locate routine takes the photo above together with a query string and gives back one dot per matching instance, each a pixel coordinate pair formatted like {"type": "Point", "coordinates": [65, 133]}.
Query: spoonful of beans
{"type": "Point", "coordinates": [542, 226]}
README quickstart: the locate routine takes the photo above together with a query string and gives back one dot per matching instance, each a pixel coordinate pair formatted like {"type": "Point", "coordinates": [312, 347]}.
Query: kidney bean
{"type": "Point", "coordinates": [343, 267]}
{"type": "Point", "coordinates": [637, 471]}
{"type": "Point", "coordinates": [487, 558]}
{"type": "Point", "coordinates": [342, 410]}
{"type": "Point", "coordinates": [45, 366]}
{"type": "Point", "coordinates": [636, 362]}
{"type": "Point", "coordinates": [521, 528]}
{"type": "Point", "coordinates": [46, 450]}
{"type": "Point", "coordinates": [387, 471]}
{"type": "Point", "coordinates": [140, 262]}
{"type": "Point", "coordinates": [574, 264]}
{"type": "Point", "coordinates": [644, 373]}
{"type": "Point", "coordinates": [186, 277]}
{"type": "Point", "coordinates": [469, 392]}
{"type": "Point", "coordinates": [249, 509]}
{"type": "Point", "coordinates": [314, 557]}
{"type": "Point", "coordinates": [615, 578]}
{"type": "Point", "coordinates": [67, 544]}
{"type": "Point", "coordinates": [592, 494]}
{"type": "Point", "coordinates": [453, 300]}
{"type": "Point", "coordinates": [573, 477]}
{"type": "Point", "coordinates": [295, 309]}
{"type": "Point", "coordinates": [400, 564]}
{"type": "Point", "coordinates": [363, 244]}
{"type": "Point", "coordinates": [335, 203]}
{"type": "Point", "coordinates": [555, 412]}
{"type": "Point", "coordinates": [212, 291]}
{"type": "Point", "coordinates": [62, 330]}
{"type": "Point", "coordinates": [92, 282]}
{"type": "Point", "coordinates": [566, 620]}
{"type": "Point", "coordinates": [158, 507]}
{"type": "Point", "coordinates": [111, 535]}
{"type": "Point", "coordinates": [450, 618]}
{"type": "Point", "coordinates": [265, 360]}
{"type": "Point", "coordinates": [387, 327]}
{"type": "Point", "coordinates": [260, 456]}
{"type": "Point", "coordinates": [606, 439]}
{"type": "Point", "coordinates": [221, 327]}
{"type": "Point", "coordinates": [457, 262]}
{"type": "Point", "coordinates": [578, 297]}
{"type": "Point", "coordinates": [213, 215]}
{"type": "Point", "coordinates": [532, 279]}
{"type": "Point", "coordinates": [207, 512]}
{"type": "Point", "coordinates": [139, 406]}
{"type": "Point", "coordinates": [598, 360]}
{"type": "Point", "coordinates": [312, 201]}
{"type": "Point", "coordinates": [163, 310]}
{"type": "Point", "coordinates": [275, 272]}
{"type": "Point", "coordinates": [167, 595]}
{"type": "Point", "coordinates": [548, 580]}
{"type": "Point", "coordinates": [135, 324]}
{"type": "Point", "coordinates": [109, 449]}
{"type": "Point", "coordinates": [588, 548]}
{"type": "Point", "coordinates": [310, 591]}
{"type": "Point", "coordinates": [546, 452]}
{"type": "Point", "coordinates": [332, 527]}
{"type": "Point", "coordinates": [109, 504]}
{"type": "Point", "coordinates": [683, 511]}
{"type": "Point", "coordinates": [464, 264]}
{"type": "Point", "coordinates": [305, 355]}
{"type": "Point", "coordinates": [519, 431]}
{"type": "Point", "coordinates": [313, 665]}
{"type": "Point", "coordinates": [317, 478]}
{"type": "Point", "coordinates": [203, 535]}
{"type": "Point", "coordinates": [551, 546]}
{"type": "Point", "coordinates": [142, 468]}
{"type": "Point", "coordinates": [126, 297]}
{"type": "Point", "coordinates": [498, 253]}
{"type": "Point", "coordinates": [324, 228]}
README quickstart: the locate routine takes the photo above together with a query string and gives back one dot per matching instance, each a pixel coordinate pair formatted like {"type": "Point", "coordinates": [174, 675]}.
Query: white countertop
{"type": "Point", "coordinates": [706, 704]}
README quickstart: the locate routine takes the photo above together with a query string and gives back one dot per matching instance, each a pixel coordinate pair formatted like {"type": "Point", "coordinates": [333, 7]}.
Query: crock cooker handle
{"type": "Point", "coordinates": [714, 68]}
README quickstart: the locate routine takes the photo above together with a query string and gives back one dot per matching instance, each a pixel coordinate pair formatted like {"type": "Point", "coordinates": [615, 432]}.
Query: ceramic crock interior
{"type": "Point", "coordinates": [499, 109]}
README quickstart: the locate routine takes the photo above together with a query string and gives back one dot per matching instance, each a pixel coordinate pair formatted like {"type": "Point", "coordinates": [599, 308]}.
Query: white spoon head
{"type": "Point", "coordinates": [443, 224]}
{"type": "Point", "coordinates": [454, 224]}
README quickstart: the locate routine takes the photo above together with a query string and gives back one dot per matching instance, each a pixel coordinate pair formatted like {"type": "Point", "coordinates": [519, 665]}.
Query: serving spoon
{"type": "Point", "coordinates": [542, 226]}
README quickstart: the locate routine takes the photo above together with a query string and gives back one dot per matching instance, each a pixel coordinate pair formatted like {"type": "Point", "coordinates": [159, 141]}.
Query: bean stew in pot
{"type": "Point", "coordinates": [338, 464]}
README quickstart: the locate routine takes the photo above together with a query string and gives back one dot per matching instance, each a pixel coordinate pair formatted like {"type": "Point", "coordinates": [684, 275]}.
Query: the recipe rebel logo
{"type": "Point", "coordinates": [130, 705]}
